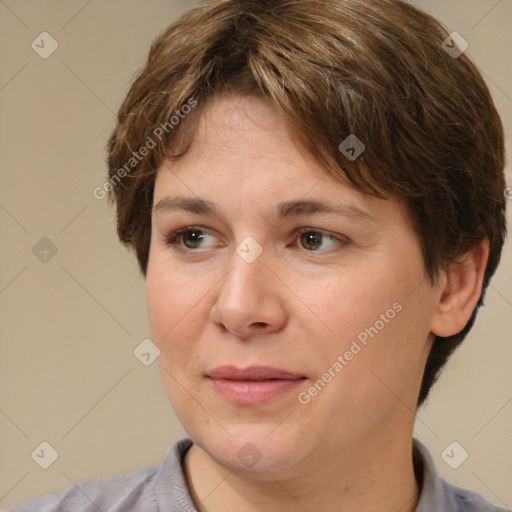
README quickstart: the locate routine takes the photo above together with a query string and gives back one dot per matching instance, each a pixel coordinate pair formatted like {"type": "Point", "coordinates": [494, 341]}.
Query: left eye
{"type": "Point", "coordinates": [313, 239]}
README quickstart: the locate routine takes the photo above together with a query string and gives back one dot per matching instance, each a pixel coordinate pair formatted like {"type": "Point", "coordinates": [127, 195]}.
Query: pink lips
{"type": "Point", "coordinates": [253, 385]}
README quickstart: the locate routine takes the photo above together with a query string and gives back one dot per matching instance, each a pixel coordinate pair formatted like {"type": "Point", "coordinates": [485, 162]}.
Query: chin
{"type": "Point", "coordinates": [257, 449]}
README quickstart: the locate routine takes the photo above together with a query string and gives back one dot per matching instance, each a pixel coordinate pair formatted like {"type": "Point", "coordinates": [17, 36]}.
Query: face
{"type": "Point", "coordinates": [287, 331]}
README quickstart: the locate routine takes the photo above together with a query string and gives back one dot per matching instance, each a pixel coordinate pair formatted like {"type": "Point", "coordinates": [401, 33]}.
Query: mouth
{"type": "Point", "coordinates": [253, 385]}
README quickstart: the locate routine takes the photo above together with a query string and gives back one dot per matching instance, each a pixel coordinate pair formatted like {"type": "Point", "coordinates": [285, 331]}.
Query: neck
{"type": "Point", "coordinates": [370, 476]}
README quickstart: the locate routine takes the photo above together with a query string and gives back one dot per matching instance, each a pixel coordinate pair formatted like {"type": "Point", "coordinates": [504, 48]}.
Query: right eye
{"type": "Point", "coordinates": [190, 236]}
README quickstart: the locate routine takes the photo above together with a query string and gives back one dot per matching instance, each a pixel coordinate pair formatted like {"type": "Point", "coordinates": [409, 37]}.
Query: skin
{"type": "Point", "coordinates": [298, 309]}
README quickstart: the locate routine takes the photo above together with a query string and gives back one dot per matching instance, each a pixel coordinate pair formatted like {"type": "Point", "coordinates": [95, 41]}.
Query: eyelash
{"type": "Point", "coordinates": [174, 237]}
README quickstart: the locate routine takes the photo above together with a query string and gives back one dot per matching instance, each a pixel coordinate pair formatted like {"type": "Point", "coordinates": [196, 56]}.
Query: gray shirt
{"type": "Point", "coordinates": [164, 489]}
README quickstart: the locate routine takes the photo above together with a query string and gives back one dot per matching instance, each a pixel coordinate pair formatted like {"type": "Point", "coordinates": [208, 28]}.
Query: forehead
{"type": "Point", "coordinates": [243, 140]}
{"type": "Point", "coordinates": [245, 159]}
{"type": "Point", "coordinates": [243, 129]}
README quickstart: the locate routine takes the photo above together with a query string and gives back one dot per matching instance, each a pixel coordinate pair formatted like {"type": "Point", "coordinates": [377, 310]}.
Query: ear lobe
{"type": "Point", "coordinates": [461, 291]}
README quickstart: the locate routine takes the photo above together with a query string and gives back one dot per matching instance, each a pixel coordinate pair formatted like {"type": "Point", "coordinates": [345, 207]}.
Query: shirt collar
{"type": "Point", "coordinates": [171, 490]}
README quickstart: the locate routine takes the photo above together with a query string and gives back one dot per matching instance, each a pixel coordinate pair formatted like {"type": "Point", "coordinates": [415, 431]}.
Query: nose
{"type": "Point", "coordinates": [249, 300]}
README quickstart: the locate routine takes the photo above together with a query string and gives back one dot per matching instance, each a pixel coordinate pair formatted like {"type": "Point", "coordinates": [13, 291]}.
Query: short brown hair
{"type": "Point", "coordinates": [373, 68]}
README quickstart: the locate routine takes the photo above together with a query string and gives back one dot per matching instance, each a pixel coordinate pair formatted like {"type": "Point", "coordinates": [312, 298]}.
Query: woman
{"type": "Point", "coordinates": [317, 216]}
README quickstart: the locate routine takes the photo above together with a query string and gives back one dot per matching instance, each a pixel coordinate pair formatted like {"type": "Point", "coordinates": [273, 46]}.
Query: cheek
{"type": "Point", "coordinates": [374, 318]}
{"type": "Point", "coordinates": [170, 306]}
{"type": "Point", "coordinates": [172, 312]}
{"type": "Point", "coordinates": [170, 296]}
{"type": "Point", "coordinates": [347, 303]}
{"type": "Point", "coordinates": [389, 366]}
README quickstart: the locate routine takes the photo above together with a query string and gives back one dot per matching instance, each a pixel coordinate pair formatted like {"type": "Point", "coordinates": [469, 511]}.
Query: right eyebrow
{"type": "Point", "coordinates": [190, 204]}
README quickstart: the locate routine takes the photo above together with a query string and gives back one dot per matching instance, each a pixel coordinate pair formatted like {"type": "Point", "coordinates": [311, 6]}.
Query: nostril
{"type": "Point", "coordinates": [220, 327]}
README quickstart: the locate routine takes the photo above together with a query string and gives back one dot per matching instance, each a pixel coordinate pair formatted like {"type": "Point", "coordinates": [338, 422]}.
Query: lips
{"type": "Point", "coordinates": [256, 373]}
{"type": "Point", "coordinates": [254, 385]}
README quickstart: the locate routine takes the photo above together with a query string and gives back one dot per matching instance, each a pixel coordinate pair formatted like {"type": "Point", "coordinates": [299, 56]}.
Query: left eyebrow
{"type": "Point", "coordinates": [284, 209]}
{"type": "Point", "coordinates": [310, 206]}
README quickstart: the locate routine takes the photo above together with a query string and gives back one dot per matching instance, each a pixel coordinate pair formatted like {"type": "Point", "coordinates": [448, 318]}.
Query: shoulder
{"type": "Point", "coordinates": [469, 501]}
{"type": "Point", "coordinates": [146, 490]}
{"type": "Point", "coordinates": [438, 494]}
{"type": "Point", "coordinates": [105, 494]}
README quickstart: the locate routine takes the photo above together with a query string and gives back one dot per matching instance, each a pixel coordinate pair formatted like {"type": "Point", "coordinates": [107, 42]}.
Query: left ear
{"type": "Point", "coordinates": [461, 291]}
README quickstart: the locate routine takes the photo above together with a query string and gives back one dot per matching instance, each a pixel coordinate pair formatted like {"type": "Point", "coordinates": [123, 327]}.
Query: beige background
{"type": "Point", "coordinates": [68, 374]}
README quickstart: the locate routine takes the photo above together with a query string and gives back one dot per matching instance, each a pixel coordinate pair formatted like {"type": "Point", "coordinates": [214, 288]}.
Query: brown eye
{"type": "Point", "coordinates": [191, 238]}
{"type": "Point", "coordinates": [313, 239]}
